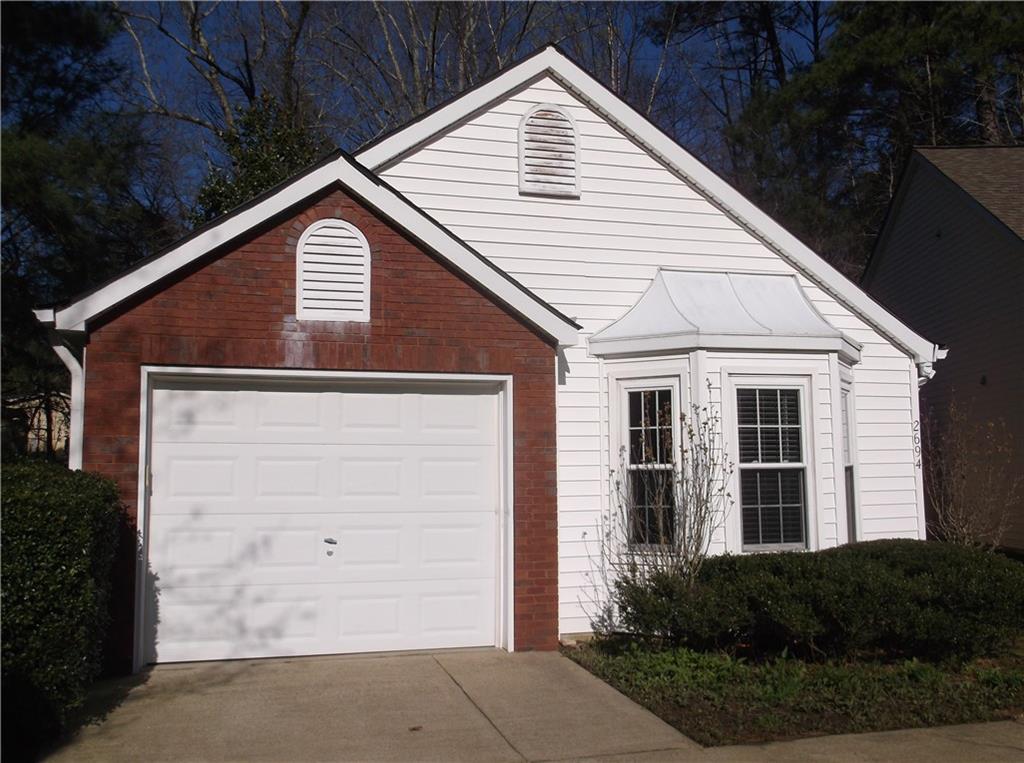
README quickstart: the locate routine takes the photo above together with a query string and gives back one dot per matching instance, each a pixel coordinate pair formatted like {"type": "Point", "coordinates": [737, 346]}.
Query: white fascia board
{"type": "Point", "coordinates": [694, 172]}
{"type": "Point", "coordinates": [686, 342]}
{"type": "Point", "coordinates": [389, 203]}
{"type": "Point", "coordinates": [74, 316]}
{"type": "Point", "coordinates": [433, 123]}
{"type": "Point", "coordinates": [378, 196]}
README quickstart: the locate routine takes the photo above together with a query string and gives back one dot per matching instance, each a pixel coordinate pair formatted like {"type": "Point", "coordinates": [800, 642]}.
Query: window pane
{"type": "Point", "coordinates": [768, 483]}
{"type": "Point", "coordinates": [792, 524]}
{"type": "Point", "coordinates": [650, 426]}
{"type": "Point", "coordinates": [769, 428]}
{"type": "Point", "coordinates": [637, 449]}
{"type": "Point", "coordinates": [789, 406]}
{"type": "Point", "coordinates": [652, 506]}
{"type": "Point", "coordinates": [790, 445]}
{"type": "Point", "coordinates": [748, 445]}
{"type": "Point", "coordinates": [748, 488]}
{"type": "Point", "coordinates": [771, 525]}
{"type": "Point", "coordinates": [665, 453]}
{"type": "Point", "coordinates": [664, 407]}
{"type": "Point", "coordinates": [845, 397]}
{"type": "Point", "coordinates": [791, 486]}
{"type": "Point", "coordinates": [770, 453]}
{"type": "Point", "coordinates": [746, 406]}
{"type": "Point", "coordinates": [772, 506]}
{"type": "Point", "coordinates": [650, 408]}
{"type": "Point", "coordinates": [851, 504]}
{"type": "Point", "coordinates": [768, 407]}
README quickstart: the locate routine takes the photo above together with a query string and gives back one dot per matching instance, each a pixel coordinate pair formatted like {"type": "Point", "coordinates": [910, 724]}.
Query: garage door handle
{"type": "Point", "coordinates": [331, 541]}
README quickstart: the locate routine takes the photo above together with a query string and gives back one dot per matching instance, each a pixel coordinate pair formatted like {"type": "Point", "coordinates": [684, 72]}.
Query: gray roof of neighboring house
{"type": "Point", "coordinates": [993, 175]}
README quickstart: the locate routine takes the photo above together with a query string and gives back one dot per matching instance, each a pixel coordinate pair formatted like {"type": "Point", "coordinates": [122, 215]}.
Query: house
{"type": "Point", "coordinates": [377, 408]}
{"type": "Point", "coordinates": [950, 262]}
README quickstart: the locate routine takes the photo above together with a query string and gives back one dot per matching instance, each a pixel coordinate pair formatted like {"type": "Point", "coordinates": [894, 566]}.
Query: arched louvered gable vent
{"type": "Point", "coordinates": [549, 152]}
{"type": "Point", "coordinates": [333, 273]}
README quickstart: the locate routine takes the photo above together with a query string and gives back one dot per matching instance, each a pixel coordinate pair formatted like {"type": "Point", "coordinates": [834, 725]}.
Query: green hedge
{"type": "Point", "coordinates": [888, 599]}
{"type": "Point", "coordinates": [59, 535]}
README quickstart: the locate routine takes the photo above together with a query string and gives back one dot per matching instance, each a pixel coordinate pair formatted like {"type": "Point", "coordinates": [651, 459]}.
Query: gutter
{"type": "Point", "coordinates": [926, 369]}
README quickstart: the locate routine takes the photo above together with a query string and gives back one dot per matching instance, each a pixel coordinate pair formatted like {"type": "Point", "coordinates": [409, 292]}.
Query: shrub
{"type": "Point", "coordinates": [59, 534]}
{"type": "Point", "coordinates": [890, 599]}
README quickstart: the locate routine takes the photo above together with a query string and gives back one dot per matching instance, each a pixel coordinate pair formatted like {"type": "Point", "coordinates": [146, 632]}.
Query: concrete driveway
{"type": "Point", "coordinates": [481, 705]}
{"type": "Point", "coordinates": [450, 706]}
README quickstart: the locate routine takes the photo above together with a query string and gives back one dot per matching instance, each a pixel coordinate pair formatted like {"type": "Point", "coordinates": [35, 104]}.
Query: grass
{"type": "Point", "coordinates": [716, 699]}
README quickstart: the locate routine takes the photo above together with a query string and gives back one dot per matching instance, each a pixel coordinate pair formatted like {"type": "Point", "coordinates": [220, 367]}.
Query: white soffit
{"type": "Point", "coordinates": [384, 151]}
{"type": "Point", "coordinates": [690, 309]}
{"type": "Point", "coordinates": [376, 194]}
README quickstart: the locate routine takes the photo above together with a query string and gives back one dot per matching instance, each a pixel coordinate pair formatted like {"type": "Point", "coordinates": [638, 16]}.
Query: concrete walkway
{"type": "Point", "coordinates": [453, 706]}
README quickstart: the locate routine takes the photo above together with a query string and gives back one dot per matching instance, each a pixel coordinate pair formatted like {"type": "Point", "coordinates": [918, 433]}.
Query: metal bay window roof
{"type": "Point", "coordinates": [688, 309]}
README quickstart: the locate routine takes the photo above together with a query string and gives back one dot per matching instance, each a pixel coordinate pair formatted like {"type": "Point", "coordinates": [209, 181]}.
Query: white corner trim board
{"type": "Point", "coordinates": [374, 192]}
{"type": "Point", "coordinates": [551, 61]}
{"type": "Point", "coordinates": [448, 583]}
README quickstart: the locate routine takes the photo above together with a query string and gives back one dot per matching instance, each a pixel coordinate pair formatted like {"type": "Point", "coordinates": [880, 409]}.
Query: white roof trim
{"type": "Point", "coordinates": [746, 213]}
{"type": "Point", "coordinates": [691, 309]}
{"type": "Point", "coordinates": [377, 194]}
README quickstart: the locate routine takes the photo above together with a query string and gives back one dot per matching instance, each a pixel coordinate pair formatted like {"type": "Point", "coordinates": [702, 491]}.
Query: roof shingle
{"type": "Point", "coordinates": [993, 175]}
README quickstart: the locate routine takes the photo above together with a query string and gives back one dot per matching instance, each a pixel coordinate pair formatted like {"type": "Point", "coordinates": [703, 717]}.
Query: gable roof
{"type": "Point", "coordinates": [336, 170]}
{"type": "Point", "coordinates": [385, 151]}
{"type": "Point", "coordinates": [993, 175]}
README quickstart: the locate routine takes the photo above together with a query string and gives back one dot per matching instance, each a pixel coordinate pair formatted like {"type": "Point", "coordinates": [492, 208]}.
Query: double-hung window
{"type": "Point", "coordinates": [772, 469]}
{"type": "Point", "coordinates": [851, 492]}
{"type": "Point", "coordinates": [650, 467]}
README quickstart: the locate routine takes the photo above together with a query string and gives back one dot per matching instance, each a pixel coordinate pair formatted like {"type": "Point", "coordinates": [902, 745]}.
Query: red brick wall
{"type": "Point", "coordinates": [239, 310]}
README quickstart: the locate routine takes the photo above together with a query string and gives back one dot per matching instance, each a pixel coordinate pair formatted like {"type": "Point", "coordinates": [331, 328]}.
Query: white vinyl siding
{"type": "Point", "coordinates": [593, 257]}
{"type": "Point", "coordinates": [333, 273]}
{"type": "Point", "coordinates": [548, 152]}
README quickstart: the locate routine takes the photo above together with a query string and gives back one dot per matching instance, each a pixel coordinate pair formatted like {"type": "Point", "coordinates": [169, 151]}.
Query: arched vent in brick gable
{"type": "Point", "coordinates": [333, 273]}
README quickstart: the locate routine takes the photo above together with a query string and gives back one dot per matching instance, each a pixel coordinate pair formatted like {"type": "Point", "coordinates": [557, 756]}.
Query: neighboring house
{"type": "Point", "coordinates": [378, 407]}
{"type": "Point", "coordinates": [950, 262]}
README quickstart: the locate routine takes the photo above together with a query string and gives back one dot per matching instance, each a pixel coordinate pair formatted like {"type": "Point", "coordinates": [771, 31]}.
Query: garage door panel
{"type": "Point", "coordinates": [227, 622]}
{"type": "Point", "coordinates": [194, 479]}
{"type": "Point", "coordinates": [323, 417]}
{"type": "Point", "coordinates": [288, 548]}
{"type": "Point", "coordinates": [249, 484]}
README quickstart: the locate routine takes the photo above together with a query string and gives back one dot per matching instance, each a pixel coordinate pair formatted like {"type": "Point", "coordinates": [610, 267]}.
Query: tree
{"type": "Point", "coordinates": [76, 204]}
{"type": "Point", "coordinates": [669, 499]}
{"type": "Point", "coordinates": [264, 146]}
{"type": "Point", "coordinates": [969, 476]}
{"type": "Point", "coordinates": [890, 76]}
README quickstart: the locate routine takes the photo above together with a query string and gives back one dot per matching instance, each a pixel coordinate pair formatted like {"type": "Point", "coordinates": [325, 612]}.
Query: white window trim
{"type": "Point", "coordinates": [503, 384]}
{"type": "Point", "coordinates": [672, 373]}
{"type": "Point", "coordinates": [541, 189]}
{"type": "Point", "coordinates": [364, 315]}
{"type": "Point", "coordinates": [801, 379]}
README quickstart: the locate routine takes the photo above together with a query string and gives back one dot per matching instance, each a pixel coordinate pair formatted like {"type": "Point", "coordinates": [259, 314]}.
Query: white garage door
{"type": "Point", "coordinates": [304, 519]}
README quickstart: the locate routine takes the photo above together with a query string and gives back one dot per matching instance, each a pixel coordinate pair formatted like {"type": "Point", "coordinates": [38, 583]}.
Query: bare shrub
{"type": "Point", "coordinates": [668, 501]}
{"type": "Point", "coordinates": [969, 476]}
